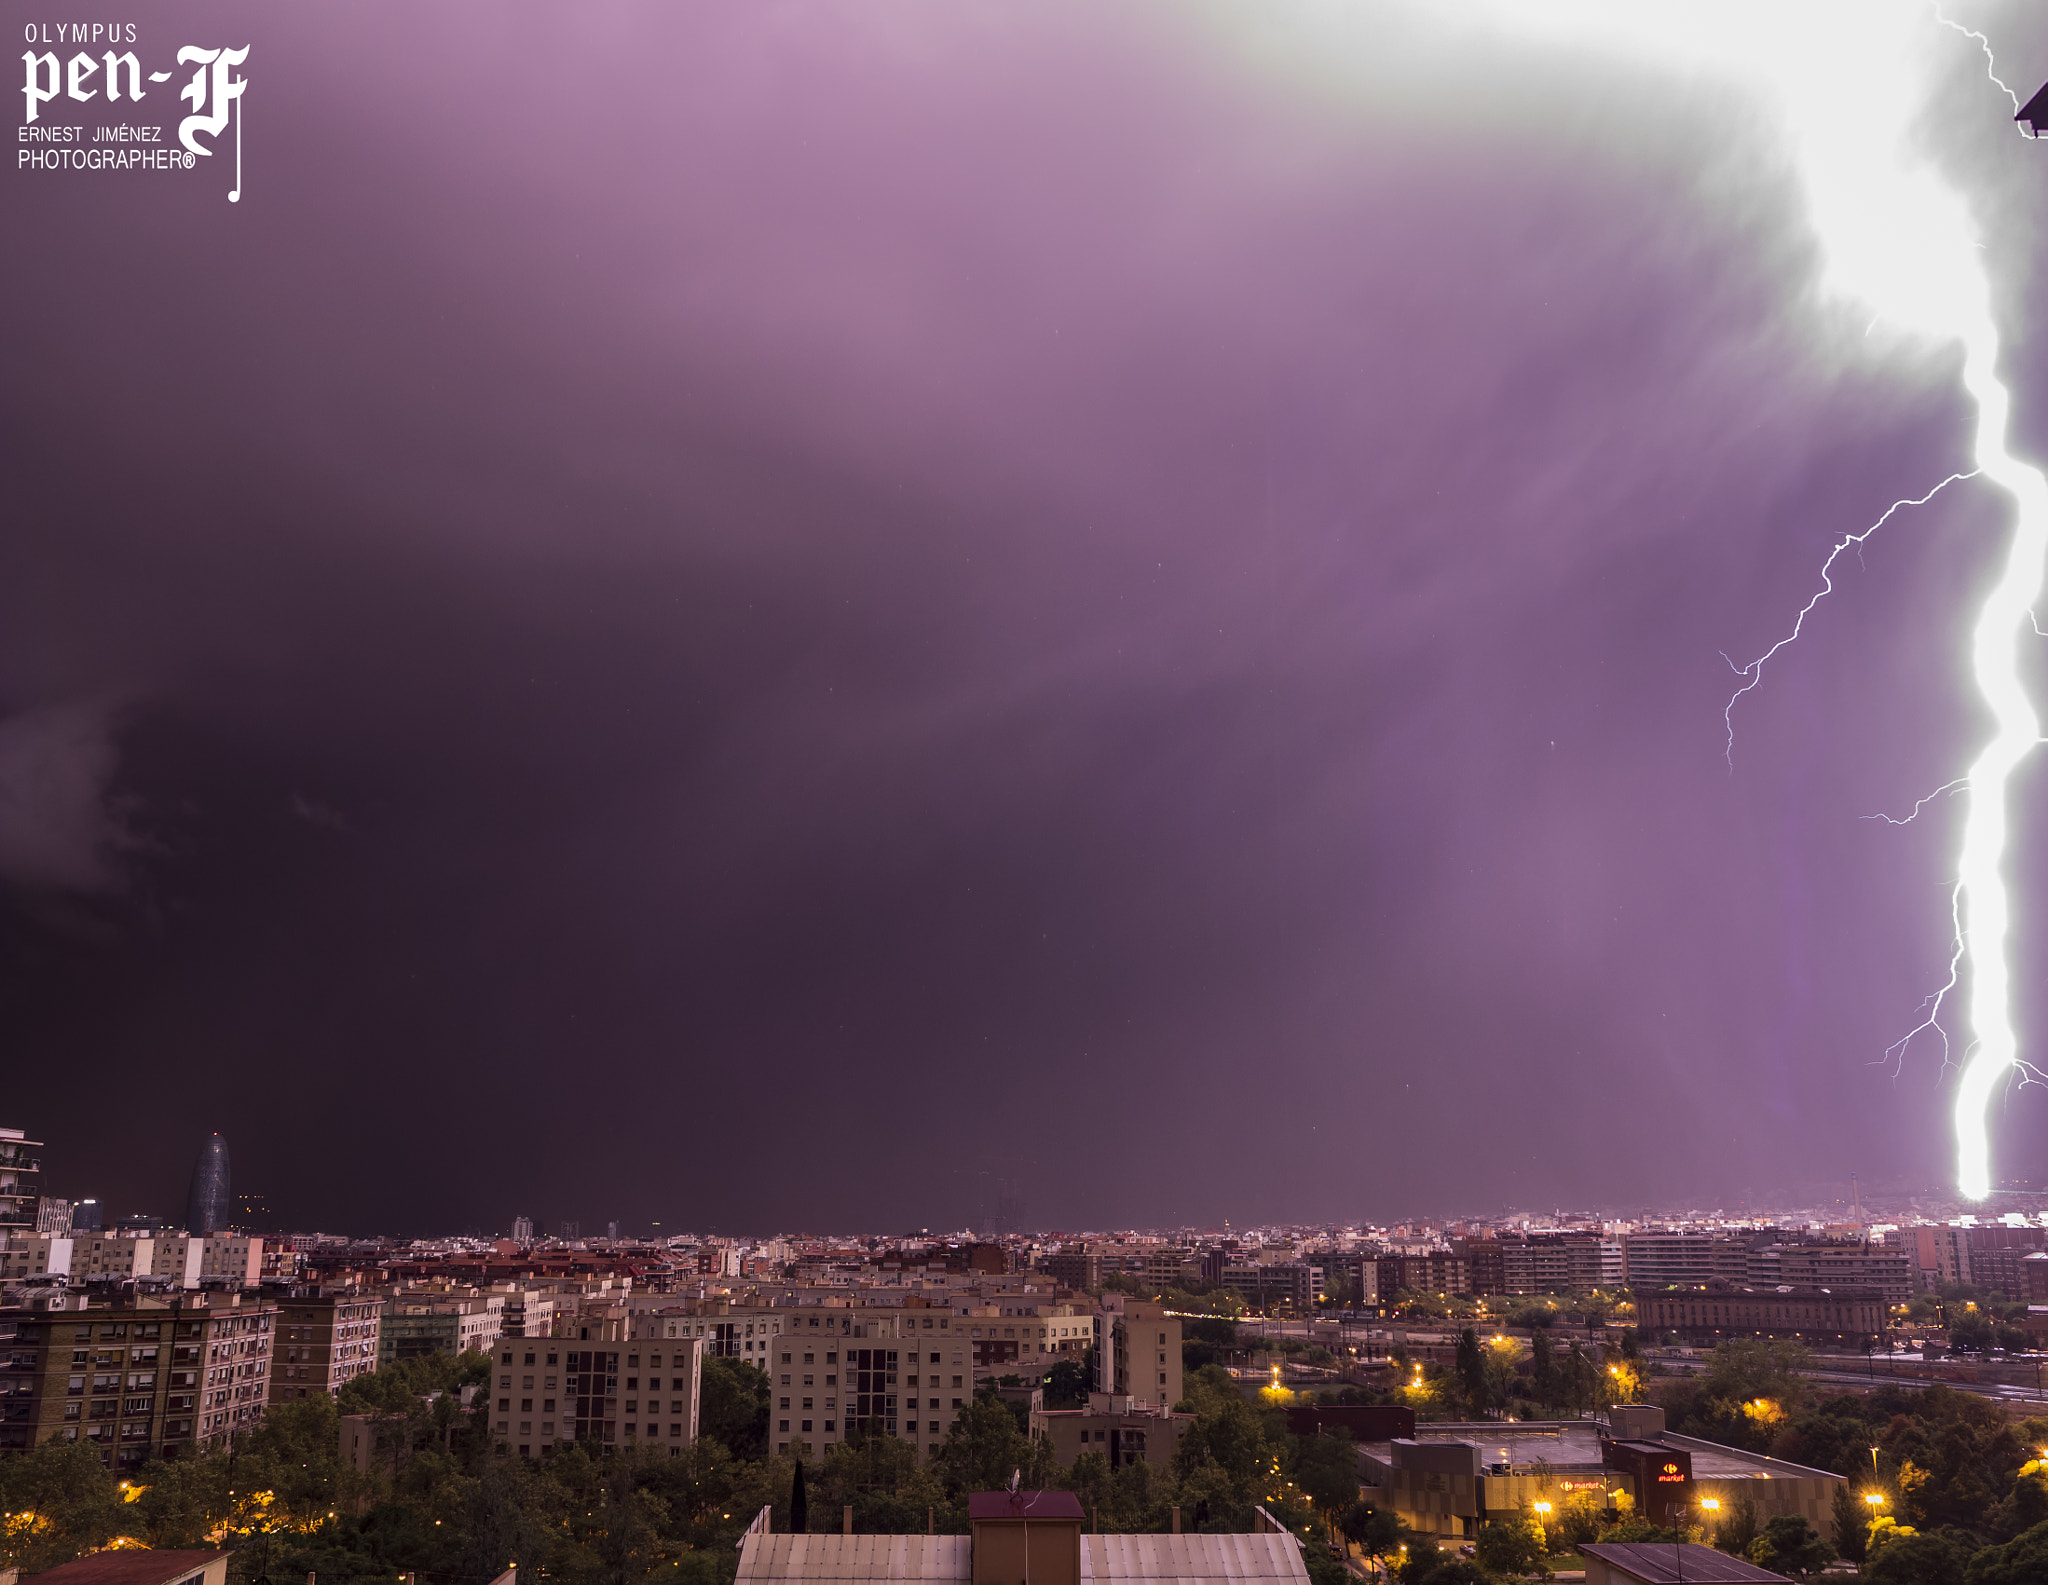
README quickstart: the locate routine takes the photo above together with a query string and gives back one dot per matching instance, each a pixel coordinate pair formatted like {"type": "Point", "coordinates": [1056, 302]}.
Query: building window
{"type": "Point", "coordinates": [807, 1425]}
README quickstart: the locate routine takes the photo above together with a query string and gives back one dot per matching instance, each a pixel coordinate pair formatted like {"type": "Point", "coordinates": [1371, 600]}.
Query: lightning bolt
{"type": "Point", "coordinates": [1843, 79]}
{"type": "Point", "coordinates": [1990, 61]}
{"type": "Point", "coordinates": [1980, 905]}
{"type": "Point", "coordinates": [1754, 671]}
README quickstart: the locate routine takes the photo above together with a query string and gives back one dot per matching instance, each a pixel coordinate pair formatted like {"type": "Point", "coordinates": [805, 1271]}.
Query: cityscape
{"type": "Point", "coordinates": [1025, 792]}
{"type": "Point", "coordinates": [1499, 1395]}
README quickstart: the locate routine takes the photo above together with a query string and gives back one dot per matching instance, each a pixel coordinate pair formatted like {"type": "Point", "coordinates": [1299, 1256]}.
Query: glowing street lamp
{"type": "Point", "coordinates": [1874, 1498]}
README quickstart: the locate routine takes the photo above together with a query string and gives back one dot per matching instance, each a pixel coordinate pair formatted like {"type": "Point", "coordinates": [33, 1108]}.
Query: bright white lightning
{"type": "Point", "coordinates": [1898, 236]}
{"type": "Point", "coordinates": [1754, 671]}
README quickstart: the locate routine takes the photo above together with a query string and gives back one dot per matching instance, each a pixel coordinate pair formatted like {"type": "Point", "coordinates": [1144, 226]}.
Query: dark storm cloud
{"type": "Point", "coordinates": [746, 616]}
{"type": "Point", "coordinates": [57, 828]}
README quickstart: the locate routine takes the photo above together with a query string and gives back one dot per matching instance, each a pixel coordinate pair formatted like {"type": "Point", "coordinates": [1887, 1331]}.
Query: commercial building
{"type": "Point", "coordinates": [1448, 1479]}
{"type": "Point", "coordinates": [137, 1380]}
{"type": "Point", "coordinates": [209, 1202]}
{"type": "Point", "coordinates": [324, 1340]}
{"type": "Point", "coordinates": [21, 1171]}
{"type": "Point", "coordinates": [1704, 1315]}
{"type": "Point", "coordinates": [53, 1216]}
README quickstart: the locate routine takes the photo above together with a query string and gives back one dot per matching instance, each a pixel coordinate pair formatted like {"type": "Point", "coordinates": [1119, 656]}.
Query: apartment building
{"type": "Point", "coordinates": [324, 1340]}
{"type": "Point", "coordinates": [1706, 1314]}
{"type": "Point", "coordinates": [1887, 1271]}
{"type": "Point", "coordinates": [613, 1392]}
{"type": "Point", "coordinates": [177, 1259]}
{"type": "Point", "coordinates": [1289, 1282]}
{"type": "Point", "coordinates": [21, 1171]}
{"type": "Point", "coordinates": [140, 1380]}
{"type": "Point", "coordinates": [1140, 1358]}
{"type": "Point", "coordinates": [415, 1324]}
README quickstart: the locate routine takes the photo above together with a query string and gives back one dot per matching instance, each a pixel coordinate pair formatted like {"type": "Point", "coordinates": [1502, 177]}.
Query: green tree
{"type": "Point", "coordinates": [60, 1504]}
{"type": "Point", "coordinates": [1377, 1533]}
{"type": "Point", "coordinates": [1543, 1366]}
{"type": "Point", "coordinates": [1470, 1370]}
{"type": "Point", "coordinates": [1790, 1545]}
{"type": "Point", "coordinates": [2021, 1561]}
{"type": "Point", "coordinates": [1326, 1468]}
{"type": "Point", "coordinates": [733, 1406]}
{"type": "Point", "coordinates": [983, 1448]}
{"type": "Point", "coordinates": [1066, 1385]}
{"type": "Point", "coordinates": [1515, 1546]}
{"type": "Point", "coordinates": [1940, 1558]}
{"type": "Point", "coordinates": [1851, 1519]}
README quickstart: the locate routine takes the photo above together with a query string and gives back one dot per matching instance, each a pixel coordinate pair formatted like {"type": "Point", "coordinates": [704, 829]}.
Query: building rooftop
{"type": "Point", "coordinates": [131, 1566]}
{"type": "Point", "coordinates": [1573, 1444]}
{"type": "Point", "coordinates": [1678, 1565]}
{"type": "Point", "coordinates": [1024, 1505]}
{"type": "Point", "coordinates": [828, 1559]}
{"type": "Point", "coordinates": [1191, 1557]}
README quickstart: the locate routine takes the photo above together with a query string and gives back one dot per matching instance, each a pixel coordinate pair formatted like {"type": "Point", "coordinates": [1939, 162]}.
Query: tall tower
{"type": "Point", "coordinates": [206, 1207]}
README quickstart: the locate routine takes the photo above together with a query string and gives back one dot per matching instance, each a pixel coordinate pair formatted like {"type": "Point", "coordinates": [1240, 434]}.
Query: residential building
{"type": "Point", "coordinates": [176, 1259]}
{"type": "Point", "coordinates": [1121, 1429]}
{"type": "Point", "coordinates": [148, 1378]}
{"type": "Point", "coordinates": [522, 1229]}
{"type": "Point", "coordinates": [324, 1340]}
{"type": "Point", "coordinates": [419, 1324]}
{"type": "Point", "coordinates": [1290, 1282]}
{"type": "Point", "coordinates": [1706, 1314]}
{"type": "Point", "coordinates": [53, 1216]}
{"type": "Point", "coordinates": [21, 1170]}
{"type": "Point", "coordinates": [554, 1390]}
{"type": "Point", "coordinates": [1140, 1357]}
{"type": "Point", "coordinates": [1439, 1271]}
{"type": "Point", "coordinates": [1889, 1271]}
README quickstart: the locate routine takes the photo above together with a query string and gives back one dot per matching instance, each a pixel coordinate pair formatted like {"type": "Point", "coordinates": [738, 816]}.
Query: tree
{"type": "Point", "coordinates": [69, 1502]}
{"type": "Point", "coordinates": [799, 1502]}
{"type": "Point", "coordinates": [1851, 1524]}
{"type": "Point", "coordinates": [1377, 1533]}
{"type": "Point", "coordinates": [1325, 1467]}
{"type": "Point", "coordinates": [1916, 1559]}
{"type": "Point", "coordinates": [1471, 1372]}
{"type": "Point", "coordinates": [1515, 1546]}
{"type": "Point", "coordinates": [1542, 1366]}
{"type": "Point", "coordinates": [1066, 1385]}
{"type": "Point", "coordinates": [2021, 1561]}
{"type": "Point", "coordinates": [1790, 1545]}
{"type": "Point", "coordinates": [983, 1447]}
{"type": "Point", "coordinates": [734, 1405]}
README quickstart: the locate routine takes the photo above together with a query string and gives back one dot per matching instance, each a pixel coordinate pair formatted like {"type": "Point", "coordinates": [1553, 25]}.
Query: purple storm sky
{"type": "Point", "coordinates": [758, 616]}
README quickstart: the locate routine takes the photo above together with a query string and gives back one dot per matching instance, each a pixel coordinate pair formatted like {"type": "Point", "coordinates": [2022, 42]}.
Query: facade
{"type": "Point", "coordinates": [209, 1204]}
{"type": "Point", "coordinates": [53, 1216]}
{"type": "Point", "coordinates": [1117, 1428]}
{"type": "Point", "coordinates": [85, 1217]}
{"type": "Point", "coordinates": [1441, 1271]}
{"type": "Point", "coordinates": [149, 1379]}
{"type": "Point", "coordinates": [21, 1173]}
{"type": "Point", "coordinates": [522, 1229]}
{"type": "Point", "coordinates": [414, 1326]}
{"type": "Point", "coordinates": [1293, 1282]}
{"type": "Point", "coordinates": [178, 1260]}
{"type": "Point", "coordinates": [323, 1341]}
{"type": "Point", "coordinates": [615, 1393]}
{"type": "Point", "coordinates": [1847, 1315]}
{"type": "Point", "coordinates": [1141, 1356]}
{"type": "Point", "coordinates": [1448, 1479]}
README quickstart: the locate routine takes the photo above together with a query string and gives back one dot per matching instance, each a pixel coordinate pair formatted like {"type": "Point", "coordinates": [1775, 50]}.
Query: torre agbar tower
{"type": "Point", "coordinates": [206, 1207]}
